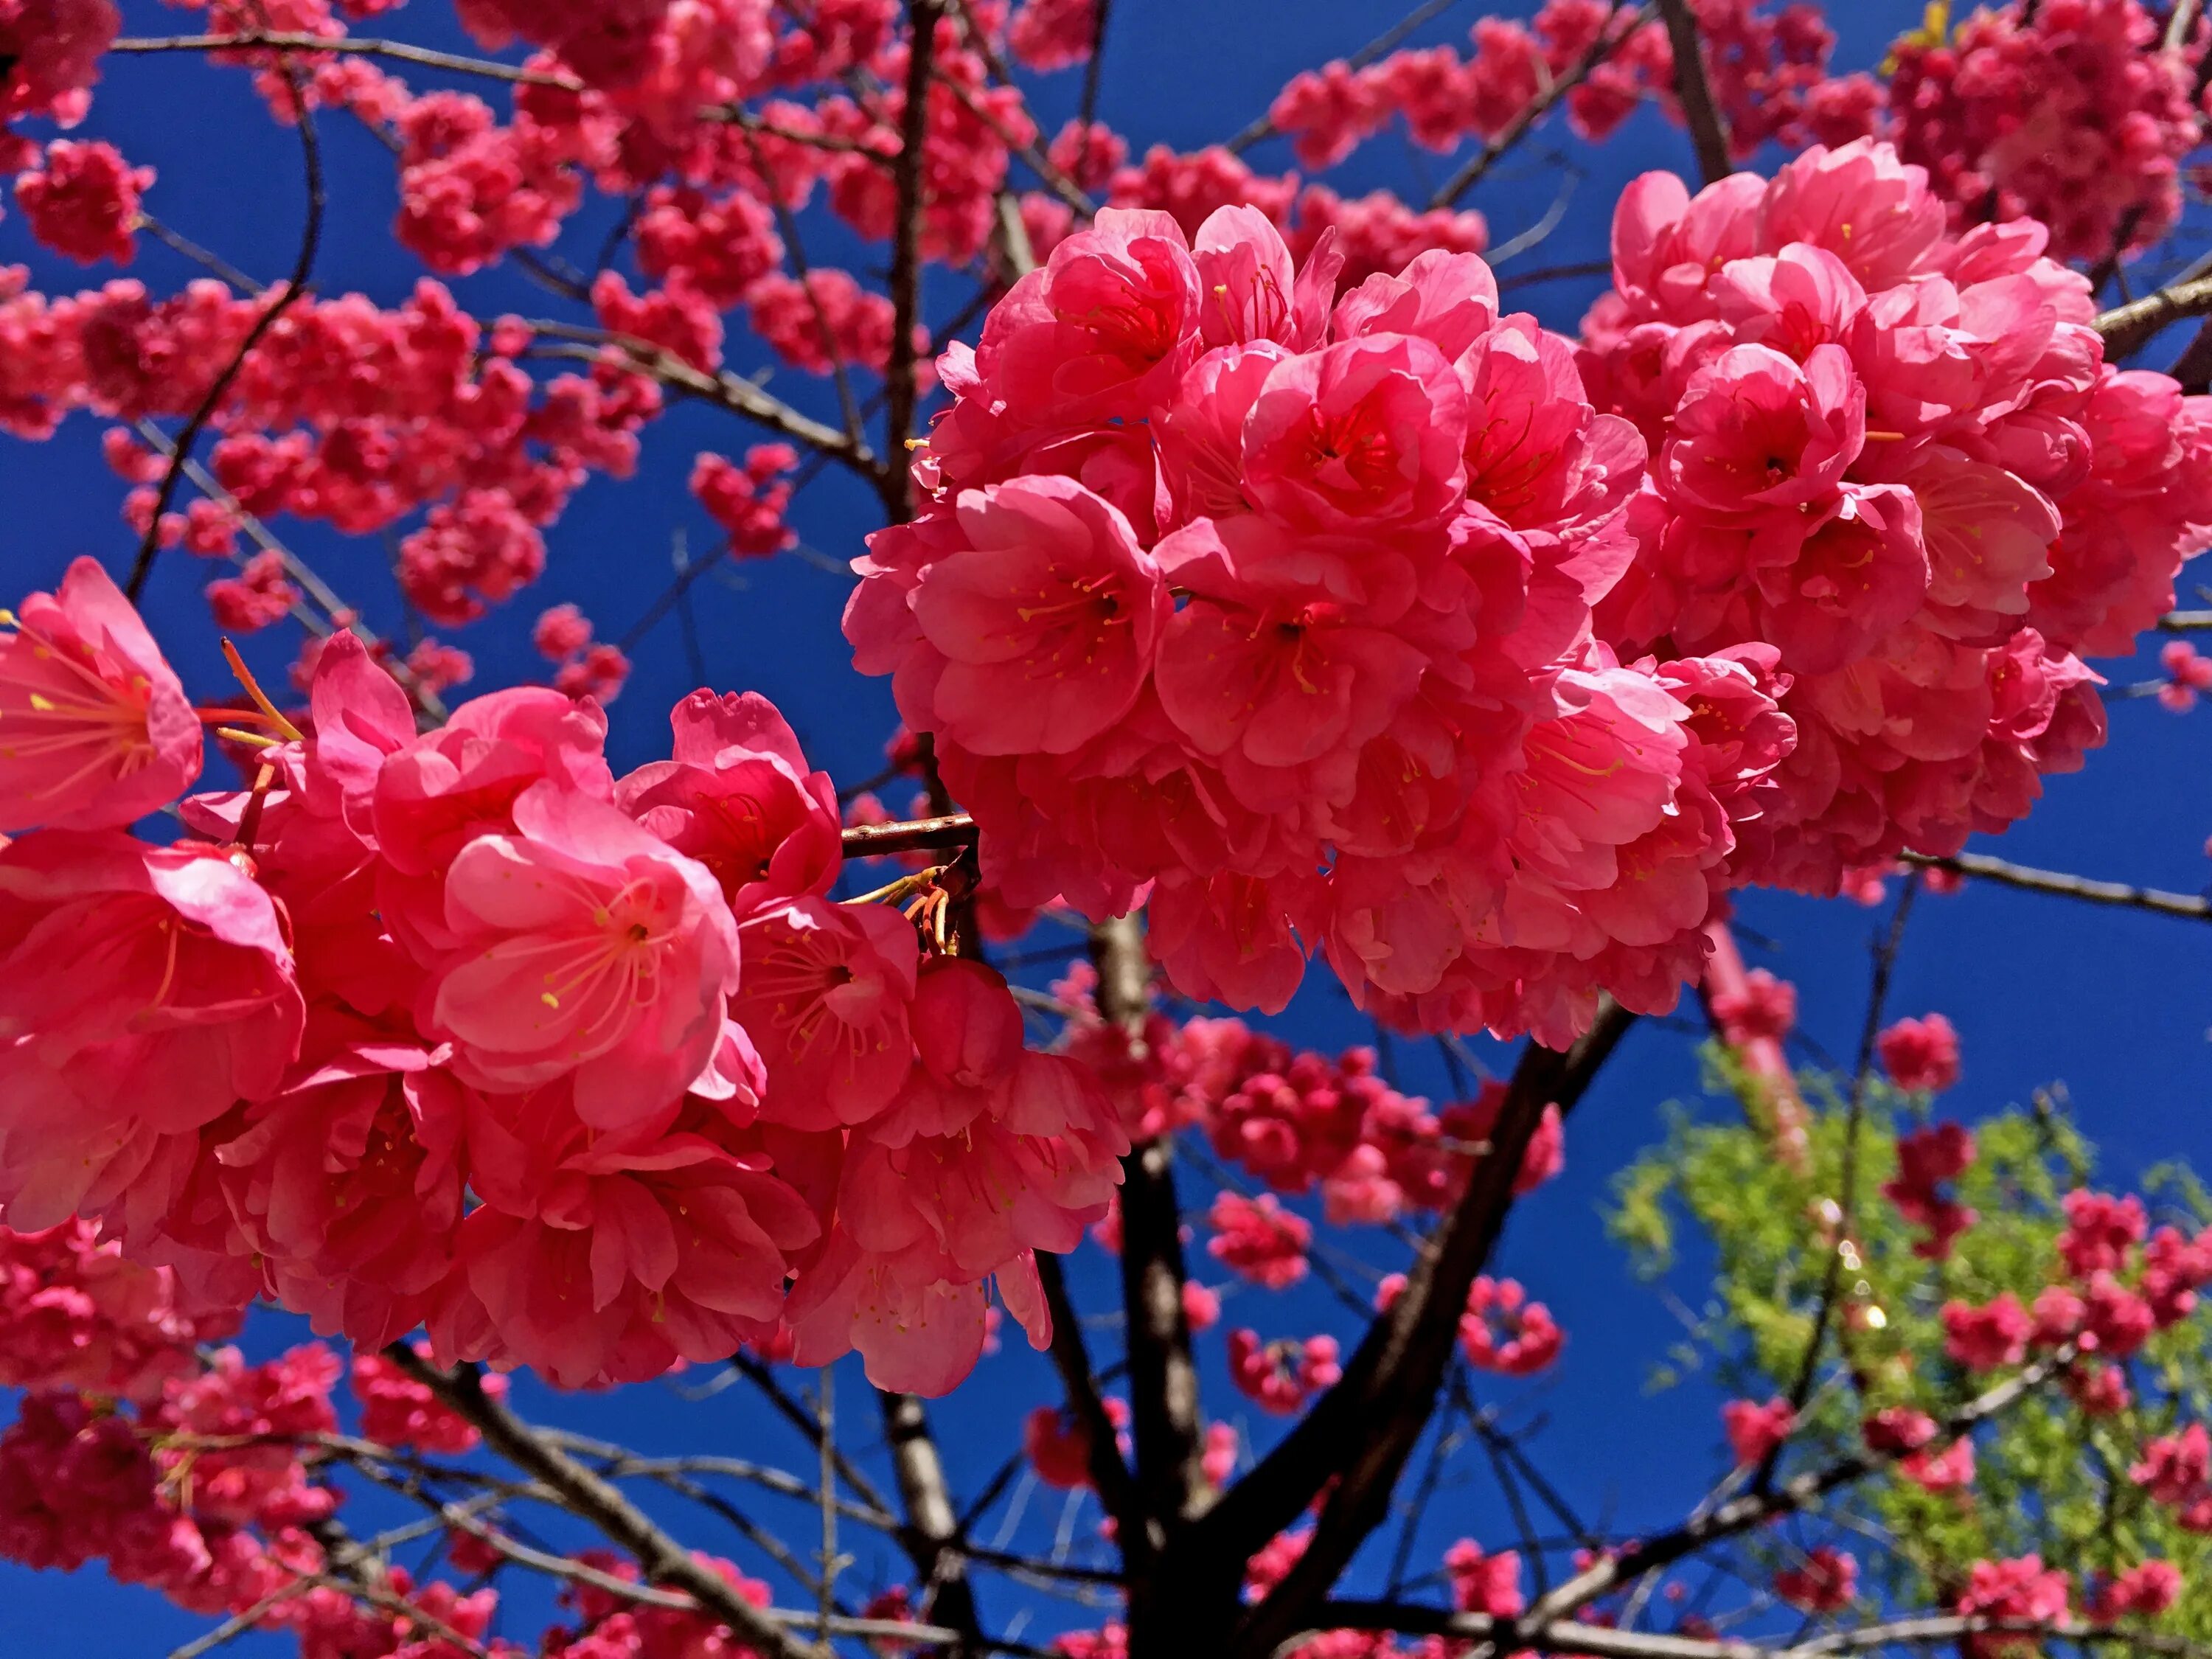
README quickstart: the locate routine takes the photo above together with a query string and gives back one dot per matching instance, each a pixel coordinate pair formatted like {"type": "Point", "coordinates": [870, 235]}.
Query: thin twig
{"type": "Point", "coordinates": [1608, 41]}
{"type": "Point", "coordinates": [406, 52]}
{"type": "Point", "coordinates": [201, 257]}
{"type": "Point", "coordinates": [2188, 906]}
{"type": "Point", "coordinates": [1842, 1245]}
{"type": "Point", "coordinates": [899, 391]}
{"type": "Point", "coordinates": [1380, 46]}
{"type": "Point", "coordinates": [1093, 65]}
{"type": "Point", "coordinates": [303, 267]}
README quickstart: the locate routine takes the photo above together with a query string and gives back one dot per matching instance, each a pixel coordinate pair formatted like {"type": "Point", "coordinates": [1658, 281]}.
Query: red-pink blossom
{"type": "Point", "coordinates": [83, 201]}
{"type": "Point", "coordinates": [2017, 1591]}
{"type": "Point", "coordinates": [749, 502]}
{"type": "Point", "coordinates": [99, 731]}
{"type": "Point", "coordinates": [2101, 1231]}
{"type": "Point", "coordinates": [1755, 1431]}
{"type": "Point", "coordinates": [1826, 1582]}
{"type": "Point", "coordinates": [583, 945]}
{"type": "Point", "coordinates": [825, 997]}
{"type": "Point", "coordinates": [396, 1410]}
{"type": "Point", "coordinates": [1483, 1581]}
{"type": "Point", "coordinates": [1920, 1054]}
{"type": "Point", "coordinates": [1982, 1338]}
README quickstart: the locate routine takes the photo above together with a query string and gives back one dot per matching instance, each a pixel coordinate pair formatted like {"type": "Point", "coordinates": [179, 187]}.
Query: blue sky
{"type": "Point", "coordinates": [2113, 1003]}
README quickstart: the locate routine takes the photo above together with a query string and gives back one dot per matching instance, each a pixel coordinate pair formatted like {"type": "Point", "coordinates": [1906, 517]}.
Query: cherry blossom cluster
{"type": "Point", "coordinates": [1896, 458]}
{"type": "Point", "coordinates": [2119, 1282]}
{"type": "Point", "coordinates": [53, 49]}
{"type": "Point", "coordinates": [1293, 1119]}
{"type": "Point", "coordinates": [1279, 604]}
{"type": "Point", "coordinates": [76, 1314]}
{"type": "Point", "coordinates": [449, 1028]}
{"type": "Point", "coordinates": [1768, 70]}
{"type": "Point", "coordinates": [2070, 112]}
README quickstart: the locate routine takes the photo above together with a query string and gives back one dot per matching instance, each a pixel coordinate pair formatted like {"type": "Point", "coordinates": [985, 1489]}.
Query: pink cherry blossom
{"type": "Point", "coordinates": [145, 990]}
{"type": "Point", "coordinates": [1921, 1053]}
{"type": "Point", "coordinates": [826, 997]}
{"type": "Point", "coordinates": [583, 945]}
{"type": "Point", "coordinates": [738, 796]}
{"type": "Point", "coordinates": [94, 729]}
{"type": "Point", "coordinates": [1756, 1431]}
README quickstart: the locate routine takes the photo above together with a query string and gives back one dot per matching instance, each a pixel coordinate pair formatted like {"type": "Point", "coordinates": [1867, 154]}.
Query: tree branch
{"type": "Point", "coordinates": [1380, 46]}
{"type": "Point", "coordinates": [932, 1525]}
{"type": "Point", "coordinates": [1163, 1381]}
{"type": "Point", "coordinates": [1608, 42]}
{"type": "Point", "coordinates": [2188, 906]}
{"type": "Point", "coordinates": [731, 392]}
{"type": "Point", "coordinates": [303, 267]}
{"type": "Point", "coordinates": [1755, 1509]}
{"type": "Point", "coordinates": [1071, 1358]}
{"type": "Point", "coordinates": [899, 392]}
{"type": "Point", "coordinates": [660, 1557]}
{"type": "Point", "coordinates": [910, 836]}
{"type": "Point", "coordinates": [1708, 128]}
{"type": "Point", "coordinates": [400, 50]}
{"type": "Point", "coordinates": [1605, 1641]}
{"type": "Point", "coordinates": [1361, 1433]}
{"type": "Point", "coordinates": [2126, 329]}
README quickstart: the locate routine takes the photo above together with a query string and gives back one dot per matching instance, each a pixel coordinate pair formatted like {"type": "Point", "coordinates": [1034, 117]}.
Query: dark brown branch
{"type": "Point", "coordinates": [1362, 1431]}
{"type": "Point", "coordinates": [295, 285]}
{"type": "Point", "coordinates": [1071, 1358]}
{"type": "Point", "coordinates": [402, 51]}
{"type": "Point", "coordinates": [1694, 91]}
{"type": "Point", "coordinates": [2188, 906]}
{"type": "Point", "coordinates": [1608, 41]}
{"type": "Point", "coordinates": [899, 391]}
{"type": "Point", "coordinates": [2126, 329]}
{"type": "Point", "coordinates": [1163, 1381]}
{"type": "Point", "coordinates": [661, 1559]}
{"type": "Point", "coordinates": [911, 835]}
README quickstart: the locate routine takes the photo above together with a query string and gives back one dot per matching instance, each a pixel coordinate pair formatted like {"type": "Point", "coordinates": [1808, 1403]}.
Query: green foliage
{"type": "Point", "coordinates": [2049, 1479]}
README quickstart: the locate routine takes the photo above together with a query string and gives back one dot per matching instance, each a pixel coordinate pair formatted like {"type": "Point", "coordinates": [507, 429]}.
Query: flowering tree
{"type": "Point", "coordinates": [1254, 589]}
